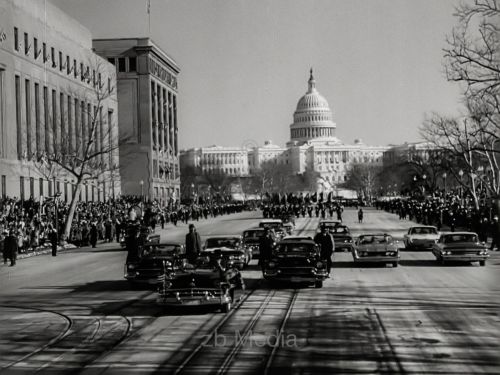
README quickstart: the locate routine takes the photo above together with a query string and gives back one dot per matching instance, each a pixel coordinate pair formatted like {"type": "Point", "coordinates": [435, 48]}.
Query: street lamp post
{"type": "Point", "coordinates": [142, 190]}
{"type": "Point", "coordinates": [424, 177]}
{"type": "Point", "coordinates": [461, 173]}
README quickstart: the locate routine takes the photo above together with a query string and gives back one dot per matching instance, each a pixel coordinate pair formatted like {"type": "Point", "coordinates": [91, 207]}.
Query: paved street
{"type": "Point", "coordinates": [76, 312]}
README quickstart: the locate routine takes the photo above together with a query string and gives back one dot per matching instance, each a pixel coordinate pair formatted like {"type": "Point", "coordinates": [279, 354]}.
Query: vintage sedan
{"type": "Point", "coordinates": [329, 224]}
{"type": "Point", "coordinates": [276, 225]}
{"type": "Point", "coordinates": [296, 259]}
{"type": "Point", "coordinates": [206, 283]}
{"type": "Point", "coordinates": [232, 247]}
{"type": "Point", "coordinates": [421, 237]}
{"type": "Point", "coordinates": [460, 247]}
{"type": "Point", "coordinates": [376, 248]}
{"type": "Point", "coordinates": [251, 240]}
{"type": "Point", "coordinates": [342, 238]}
{"type": "Point", "coordinates": [149, 266]}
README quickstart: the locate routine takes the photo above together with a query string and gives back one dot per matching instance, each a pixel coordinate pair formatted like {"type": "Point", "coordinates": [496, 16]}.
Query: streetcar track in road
{"type": "Point", "coordinates": [214, 331]}
{"type": "Point", "coordinates": [68, 332]}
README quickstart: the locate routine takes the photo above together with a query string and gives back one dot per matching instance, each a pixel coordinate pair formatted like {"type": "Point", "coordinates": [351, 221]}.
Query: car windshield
{"type": "Point", "coordinates": [423, 231]}
{"type": "Point", "coordinates": [374, 239]}
{"type": "Point", "coordinates": [253, 234]}
{"type": "Point", "coordinates": [222, 242]}
{"type": "Point", "coordinates": [452, 238]}
{"type": "Point", "coordinates": [340, 230]}
{"type": "Point", "coordinates": [296, 248]}
{"type": "Point", "coordinates": [161, 250]}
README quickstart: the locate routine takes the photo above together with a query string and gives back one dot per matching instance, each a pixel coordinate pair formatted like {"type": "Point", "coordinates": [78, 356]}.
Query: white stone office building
{"type": "Point", "coordinates": [48, 80]}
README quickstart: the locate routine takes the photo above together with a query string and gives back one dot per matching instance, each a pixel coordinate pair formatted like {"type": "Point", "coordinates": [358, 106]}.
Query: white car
{"type": "Point", "coordinates": [421, 237]}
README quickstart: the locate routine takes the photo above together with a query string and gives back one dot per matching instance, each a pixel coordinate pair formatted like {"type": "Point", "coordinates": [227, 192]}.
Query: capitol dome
{"type": "Point", "coordinates": [312, 119]}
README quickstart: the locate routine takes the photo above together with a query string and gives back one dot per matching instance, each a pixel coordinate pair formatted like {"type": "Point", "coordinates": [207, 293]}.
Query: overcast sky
{"type": "Point", "coordinates": [245, 63]}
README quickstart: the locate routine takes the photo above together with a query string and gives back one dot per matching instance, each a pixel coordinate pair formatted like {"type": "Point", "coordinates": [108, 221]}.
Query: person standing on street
{"type": "Point", "coordinates": [93, 235]}
{"type": "Point", "coordinates": [193, 244]}
{"type": "Point", "coordinates": [53, 240]}
{"type": "Point", "coordinates": [360, 215]}
{"type": "Point", "coordinates": [266, 246]}
{"type": "Point", "coordinates": [10, 246]}
{"type": "Point", "coordinates": [327, 245]}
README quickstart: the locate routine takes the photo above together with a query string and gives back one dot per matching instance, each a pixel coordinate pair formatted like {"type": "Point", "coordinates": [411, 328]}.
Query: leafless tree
{"type": "Point", "coordinates": [472, 59]}
{"type": "Point", "coordinates": [91, 153]}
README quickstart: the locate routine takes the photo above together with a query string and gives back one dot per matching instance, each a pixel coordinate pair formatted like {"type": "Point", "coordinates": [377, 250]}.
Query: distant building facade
{"type": "Point", "coordinates": [313, 145]}
{"type": "Point", "coordinates": [148, 100]}
{"type": "Point", "coordinates": [407, 152]}
{"type": "Point", "coordinates": [231, 161]}
{"type": "Point", "coordinates": [48, 80]}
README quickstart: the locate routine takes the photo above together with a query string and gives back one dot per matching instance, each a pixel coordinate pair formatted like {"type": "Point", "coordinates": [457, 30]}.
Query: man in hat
{"type": "Point", "coordinates": [10, 247]}
{"type": "Point", "coordinates": [193, 244]}
{"type": "Point", "coordinates": [325, 240]}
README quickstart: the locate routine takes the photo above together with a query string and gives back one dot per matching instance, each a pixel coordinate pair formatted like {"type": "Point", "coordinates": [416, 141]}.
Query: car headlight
{"type": "Point", "coordinates": [436, 240]}
{"type": "Point", "coordinates": [131, 266]}
{"type": "Point", "coordinates": [319, 264]}
{"type": "Point", "coordinates": [271, 264]}
{"type": "Point", "coordinates": [389, 253]}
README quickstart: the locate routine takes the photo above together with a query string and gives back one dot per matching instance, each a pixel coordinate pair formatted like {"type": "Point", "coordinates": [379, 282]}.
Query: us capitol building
{"type": "Point", "coordinates": [313, 146]}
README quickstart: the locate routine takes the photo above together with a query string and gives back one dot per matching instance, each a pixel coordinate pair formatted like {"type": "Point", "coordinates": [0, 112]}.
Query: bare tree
{"type": "Point", "coordinates": [472, 59]}
{"type": "Point", "coordinates": [362, 177]}
{"type": "Point", "coordinates": [90, 153]}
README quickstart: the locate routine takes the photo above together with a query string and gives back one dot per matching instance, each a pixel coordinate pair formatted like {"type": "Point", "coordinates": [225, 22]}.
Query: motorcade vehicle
{"type": "Point", "coordinates": [208, 282]}
{"type": "Point", "coordinates": [142, 234]}
{"type": "Point", "coordinates": [148, 267]}
{"type": "Point", "coordinates": [342, 237]}
{"type": "Point", "coordinates": [460, 247]}
{"type": "Point", "coordinates": [276, 225]}
{"type": "Point", "coordinates": [232, 248]}
{"type": "Point", "coordinates": [329, 224]}
{"type": "Point", "coordinates": [251, 240]}
{"type": "Point", "coordinates": [289, 228]}
{"type": "Point", "coordinates": [421, 237]}
{"type": "Point", "coordinates": [296, 259]}
{"type": "Point", "coordinates": [376, 248]}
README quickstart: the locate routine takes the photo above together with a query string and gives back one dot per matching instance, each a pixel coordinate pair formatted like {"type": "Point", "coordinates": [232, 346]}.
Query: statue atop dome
{"type": "Point", "coordinates": [312, 82]}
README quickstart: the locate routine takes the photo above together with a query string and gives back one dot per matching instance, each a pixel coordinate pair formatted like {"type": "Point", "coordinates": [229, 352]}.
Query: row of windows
{"type": "Point", "coordinates": [124, 64]}
{"type": "Point", "coordinates": [164, 170]}
{"type": "Point", "coordinates": [164, 118]}
{"type": "Point", "coordinates": [59, 60]}
{"type": "Point", "coordinates": [230, 171]}
{"type": "Point", "coordinates": [312, 132]}
{"type": "Point", "coordinates": [165, 193]}
{"type": "Point", "coordinates": [311, 118]}
{"type": "Point", "coordinates": [46, 188]}
{"type": "Point", "coordinates": [56, 123]}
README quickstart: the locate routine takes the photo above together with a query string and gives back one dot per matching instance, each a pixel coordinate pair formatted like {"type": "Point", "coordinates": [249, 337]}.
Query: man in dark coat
{"type": "Point", "coordinates": [10, 247]}
{"type": "Point", "coordinates": [2, 247]}
{"type": "Point", "coordinates": [266, 246]}
{"type": "Point", "coordinates": [193, 244]}
{"type": "Point", "coordinates": [93, 235]}
{"type": "Point", "coordinates": [53, 241]}
{"type": "Point", "coordinates": [325, 240]}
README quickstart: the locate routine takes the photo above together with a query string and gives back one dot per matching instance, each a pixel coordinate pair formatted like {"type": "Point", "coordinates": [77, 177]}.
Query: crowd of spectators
{"type": "Point", "coordinates": [451, 212]}
{"type": "Point", "coordinates": [32, 222]}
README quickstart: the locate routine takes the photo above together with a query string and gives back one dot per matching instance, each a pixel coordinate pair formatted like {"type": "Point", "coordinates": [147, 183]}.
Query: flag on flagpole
{"type": "Point", "coordinates": [149, 6]}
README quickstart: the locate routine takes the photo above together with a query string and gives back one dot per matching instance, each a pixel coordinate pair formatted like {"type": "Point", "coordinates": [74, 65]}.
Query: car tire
{"type": "Point", "coordinates": [482, 263]}
{"type": "Point", "coordinates": [318, 284]}
{"type": "Point", "coordinates": [441, 261]}
{"type": "Point", "coordinates": [394, 264]}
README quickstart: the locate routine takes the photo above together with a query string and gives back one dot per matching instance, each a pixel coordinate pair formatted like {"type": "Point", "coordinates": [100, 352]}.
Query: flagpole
{"type": "Point", "coordinates": [149, 18]}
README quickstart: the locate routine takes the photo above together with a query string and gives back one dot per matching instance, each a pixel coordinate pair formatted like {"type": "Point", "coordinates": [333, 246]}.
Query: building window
{"type": "Point", "coordinates": [37, 118]}
{"type": "Point", "coordinates": [54, 123]}
{"type": "Point", "coordinates": [35, 47]}
{"type": "Point", "coordinates": [68, 65]}
{"type": "Point", "coordinates": [75, 71]}
{"type": "Point", "coordinates": [21, 187]}
{"type": "Point", "coordinates": [132, 64]}
{"type": "Point", "coordinates": [40, 186]}
{"type": "Point", "coordinates": [4, 186]}
{"type": "Point", "coordinates": [82, 73]}
{"type": "Point", "coordinates": [65, 191]}
{"type": "Point", "coordinates": [44, 52]}
{"type": "Point", "coordinates": [18, 118]}
{"type": "Point", "coordinates": [121, 64]}
{"type": "Point", "coordinates": [111, 60]}
{"type": "Point", "coordinates": [32, 187]}
{"type": "Point", "coordinates": [53, 57]}
{"type": "Point", "coordinates": [61, 66]}
{"type": "Point", "coordinates": [46, 118]}
{"type": "Point", "coordinates": [26, 44]}
{"type": "Point", "coordinates": [16, 39]}
{"type": "Point", "coordinates": [27, 92]}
